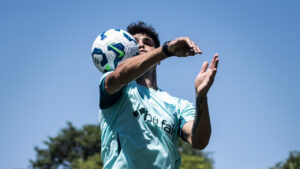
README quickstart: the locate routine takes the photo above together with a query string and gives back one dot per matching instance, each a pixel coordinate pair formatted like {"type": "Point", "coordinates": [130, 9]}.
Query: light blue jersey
{"type": "Point", "coordinates": [140, 127]}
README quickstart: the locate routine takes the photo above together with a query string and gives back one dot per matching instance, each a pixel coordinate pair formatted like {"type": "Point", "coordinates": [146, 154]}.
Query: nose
{"type": "Point", "coordinates": [141, 44]}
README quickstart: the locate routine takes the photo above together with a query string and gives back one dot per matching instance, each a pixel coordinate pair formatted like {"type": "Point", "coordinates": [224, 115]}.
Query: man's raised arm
{"type": "Point", "coordinates": [197, 132]}
{"type": "Point", "coordinates": [134, 67]}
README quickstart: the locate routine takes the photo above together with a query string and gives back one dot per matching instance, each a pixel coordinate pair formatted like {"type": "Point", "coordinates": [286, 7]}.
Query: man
{"type": "Point", "coordinates": [140, 123]}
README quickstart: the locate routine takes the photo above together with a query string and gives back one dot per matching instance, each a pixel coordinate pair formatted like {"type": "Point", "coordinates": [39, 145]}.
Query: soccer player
{"type": "Point", "coordinates": [140, 123]}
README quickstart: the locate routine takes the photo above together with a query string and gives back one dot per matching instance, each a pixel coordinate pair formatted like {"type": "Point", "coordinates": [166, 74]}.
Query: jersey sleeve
{"type": "Point", "coordinates": [107, 100]}
{"type": "Point", "coordinates": [187, 113]}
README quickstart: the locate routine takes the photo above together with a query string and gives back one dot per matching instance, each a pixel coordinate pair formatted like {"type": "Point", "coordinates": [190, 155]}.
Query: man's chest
{"type": "Point", "coordinates": [155, 112]}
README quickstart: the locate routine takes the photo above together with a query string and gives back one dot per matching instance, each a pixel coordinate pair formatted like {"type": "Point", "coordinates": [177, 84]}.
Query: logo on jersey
{"type": "Point", "coordinates": [147, 117]}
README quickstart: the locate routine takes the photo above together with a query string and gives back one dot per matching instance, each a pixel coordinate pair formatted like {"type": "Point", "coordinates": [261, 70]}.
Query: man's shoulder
{"type": "Point", "coordinates": [168, 96]}
{"type": "Point", "coordinates": [180, 102]}
{"type": "Point", "coordinates": [108, 100]}
{"type": "Point", "coordinates": [104, 76]}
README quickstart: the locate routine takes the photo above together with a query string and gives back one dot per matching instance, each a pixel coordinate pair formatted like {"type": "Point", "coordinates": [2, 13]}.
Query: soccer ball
{"type": "Point", "coordinates": [112, 47]}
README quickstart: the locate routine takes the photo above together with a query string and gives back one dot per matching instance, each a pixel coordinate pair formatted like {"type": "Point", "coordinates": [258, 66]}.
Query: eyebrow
{"type": "Point", "coordinates": [145, 38]}
{"type": "Point", "coordinates": [148, 40]}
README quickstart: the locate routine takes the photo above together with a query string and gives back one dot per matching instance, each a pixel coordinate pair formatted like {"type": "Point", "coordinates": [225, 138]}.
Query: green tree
{"type": "Point", "coordinates": [195, 162]}
{"type": "Point", "coordinates": [93, 162]}
{"type": "Point", "coordinates": [192, 158]}
{"type": "Point", "coordinates": [70, 144]}
{"type": "Point", "coordinates": [80, 149]}
{"type": "Point", "coordinates": [292, 162]}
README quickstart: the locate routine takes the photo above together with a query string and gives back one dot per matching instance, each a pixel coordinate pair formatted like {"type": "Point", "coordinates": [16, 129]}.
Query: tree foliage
{"type": "Point", "coordinates": [92, 162]}
{"type": "Point", "coordinates": [70, 144]}
{"type": "Point", "coordinates": [292, 162]}
{"type": "Point", "coordinates": [195, 162]}
{"type": "Point", "coordinates": [192, 158]}
{"type": "Point", "coordinates": [75, 148]}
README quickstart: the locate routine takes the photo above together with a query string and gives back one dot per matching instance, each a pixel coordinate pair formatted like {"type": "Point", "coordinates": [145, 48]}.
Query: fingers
{"type": "Point", "coordinates": [214, 62]}
{"type": "Point", "coordinates": [188, 41]}
{"type": "Point", "coordinates": [204, 67]}
{"type": "Point", "coordinates": [192, 47]}
{"type": "Point", "coordinates": [214, 65]}
{"type": "Point", "coordinates": [196, 48]}
{"type": "Point", "coordinates": [217, 62]}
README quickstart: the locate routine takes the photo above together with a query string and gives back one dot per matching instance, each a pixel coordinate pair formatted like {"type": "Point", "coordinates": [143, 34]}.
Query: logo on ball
{"type": "Point", "coordinates": [111, 47]}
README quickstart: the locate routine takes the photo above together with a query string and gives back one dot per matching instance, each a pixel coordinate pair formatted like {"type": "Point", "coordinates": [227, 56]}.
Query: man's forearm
{"type": "Point", "coordinates": [201, 130]}
{"type": "Point", "coordinates": [132, 68]}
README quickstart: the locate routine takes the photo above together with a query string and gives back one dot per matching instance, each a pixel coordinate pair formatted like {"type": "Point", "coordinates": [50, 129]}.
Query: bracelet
{"type": "Point", "coordinates": [165, 49]}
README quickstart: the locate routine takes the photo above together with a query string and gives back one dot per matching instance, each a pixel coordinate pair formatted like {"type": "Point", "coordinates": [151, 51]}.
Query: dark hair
{"type": "Point", "coordinates": [141, 27]}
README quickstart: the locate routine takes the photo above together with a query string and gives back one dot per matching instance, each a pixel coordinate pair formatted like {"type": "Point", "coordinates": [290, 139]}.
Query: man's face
{"type": "Point", "coordinates": [145, 43]}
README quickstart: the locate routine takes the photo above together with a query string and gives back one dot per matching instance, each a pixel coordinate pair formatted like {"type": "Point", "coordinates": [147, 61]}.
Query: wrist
{"type": "Point", "coordinates": [200, 98]}
{"type": "Point", "coordinates": [162, 55]}
{"type": "Point", "coordinates": [165, 49]}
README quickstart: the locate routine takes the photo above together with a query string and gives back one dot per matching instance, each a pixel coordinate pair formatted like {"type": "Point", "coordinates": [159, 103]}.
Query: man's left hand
{"type": "Point", "coordinates": [205, 78]}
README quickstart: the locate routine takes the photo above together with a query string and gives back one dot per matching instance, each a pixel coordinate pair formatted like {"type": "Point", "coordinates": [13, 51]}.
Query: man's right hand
{"type": "Point", "coordinates": [183, 47]}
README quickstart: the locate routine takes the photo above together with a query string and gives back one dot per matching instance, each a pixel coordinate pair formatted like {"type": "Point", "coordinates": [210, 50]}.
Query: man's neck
{"type": "Point", "coordinates": [148, 79]}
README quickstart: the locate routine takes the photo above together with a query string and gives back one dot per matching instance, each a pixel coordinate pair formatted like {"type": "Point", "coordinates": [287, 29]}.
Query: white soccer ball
{"type": "Point", "coordinates": [112, 47]}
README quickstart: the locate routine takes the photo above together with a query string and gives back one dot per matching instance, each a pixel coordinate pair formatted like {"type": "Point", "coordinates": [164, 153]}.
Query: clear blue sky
{"type": "Point", "coordinates": [48, 77]}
